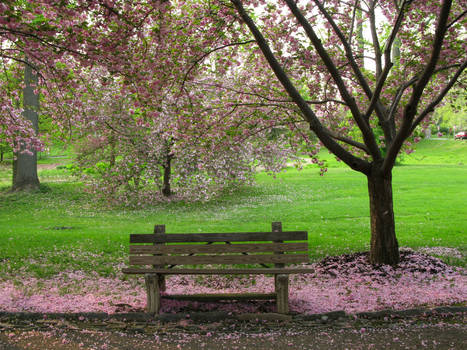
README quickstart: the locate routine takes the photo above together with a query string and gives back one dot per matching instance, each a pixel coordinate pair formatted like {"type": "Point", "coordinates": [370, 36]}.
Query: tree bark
{"type": "Point", "coordinates": [396, 50]}
{"type": "Point", "coordinates": [25, 165]}
{"type": "Point", "coordinates": [384, 246]}
{"type": "Point", "coordinates": [166, 190]}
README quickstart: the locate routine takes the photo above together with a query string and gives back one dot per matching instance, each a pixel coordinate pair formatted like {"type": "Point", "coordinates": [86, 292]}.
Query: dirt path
{"type": "Point", "coordinates": [434, 332]}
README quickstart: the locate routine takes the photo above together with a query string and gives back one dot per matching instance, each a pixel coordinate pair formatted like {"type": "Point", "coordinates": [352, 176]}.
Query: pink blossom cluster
{"type": "Point", "coordinates": [130, 159]}
{"type": "Point", "coordinates": [361, 61]}
{"type": "Point", "coordinates": [148, 86]}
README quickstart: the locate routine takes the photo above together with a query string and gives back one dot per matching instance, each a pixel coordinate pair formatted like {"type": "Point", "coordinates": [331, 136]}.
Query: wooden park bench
{"type": "Point", "coordinates": [197, 252]}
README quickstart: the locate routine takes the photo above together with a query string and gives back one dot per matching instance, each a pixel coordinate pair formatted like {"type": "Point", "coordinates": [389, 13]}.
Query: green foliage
{"type": "Point", "coordinates": [60, 220]}
{"type": "Point", "coordinates": [453, 113]}
{"type": "Point", "coordinates": [4, 149]}
{"type": "Point", "coordinates": [438, 153]}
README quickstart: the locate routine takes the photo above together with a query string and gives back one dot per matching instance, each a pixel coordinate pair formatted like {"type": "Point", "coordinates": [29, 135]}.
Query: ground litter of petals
{"type": "Point", "coordinates": [346, 282]}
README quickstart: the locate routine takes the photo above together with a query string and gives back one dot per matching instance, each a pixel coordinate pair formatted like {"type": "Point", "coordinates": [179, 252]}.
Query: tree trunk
{"type": "Point", "coordinates": [112, 149]}
{"type": "Point", "coordinates": [396, 50]}
{"type": "Point", "coordinates": [25, 165]}
{"type": "Point", "coordinates": [166, 190]}
{"type": "Point", "coordinates": [384, 247]}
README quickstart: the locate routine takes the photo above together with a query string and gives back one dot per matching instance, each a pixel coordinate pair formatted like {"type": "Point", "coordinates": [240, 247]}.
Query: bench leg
{"type": "Point", "coordinates": [282, 293]}
{"type": "Point", "coordinates": [153, 303]}
{"type": "Point", "coordinates": [162, 283]}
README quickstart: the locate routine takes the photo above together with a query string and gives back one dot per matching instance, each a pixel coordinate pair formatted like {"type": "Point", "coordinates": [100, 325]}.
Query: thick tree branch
{"type": "Point", "coordinates": [410, 109]}
{"type": "Point", "coordinates": [349, 141]}
{"type": "Point", "coordinates": [405, 86]}
{"type": "Point", "coordinates": [352, 161]}
{"type": "Point", "coordinates": [367, 134]}
{"type": "Point", "coordinates": [398, 97]}
{"type": "Point", "coordinates": [439, 98]}
{"type": "Point", "coordinates": [387, 62]}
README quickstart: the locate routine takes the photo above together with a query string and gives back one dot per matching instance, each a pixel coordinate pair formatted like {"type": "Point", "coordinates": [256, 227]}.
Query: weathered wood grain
{"type": "Point", "coordinates": [219, 248]}
{"type": "Point", "coordinates": [211, 271]}
{"type": "Point", "coordinates": [217, 259]}
{"type": "Point", "coordinates": [220, 237]}
{"type": "Point", "coordinates": [220, 296]}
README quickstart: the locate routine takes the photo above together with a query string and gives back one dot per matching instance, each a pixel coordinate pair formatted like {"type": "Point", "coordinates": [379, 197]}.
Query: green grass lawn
{"type": "Point", "coordinates": [62, 227]}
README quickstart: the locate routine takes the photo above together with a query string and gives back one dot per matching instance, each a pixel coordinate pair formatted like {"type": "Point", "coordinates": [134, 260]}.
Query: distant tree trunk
{"type": "Point", "coordinates": [25, 165]}
{"type": "Point", "coordinates": [112, 149]}
{"type": "Point", "coordinates": [166, 190]}
{"type": "Point", "coordinates": [384, 246]}
{"type": "Point", "coordinates": [396, 50]}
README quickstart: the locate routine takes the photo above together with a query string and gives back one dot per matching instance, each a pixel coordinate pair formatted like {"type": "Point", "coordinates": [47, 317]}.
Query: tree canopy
{"type": "Point", "coordinates": [213, 88]}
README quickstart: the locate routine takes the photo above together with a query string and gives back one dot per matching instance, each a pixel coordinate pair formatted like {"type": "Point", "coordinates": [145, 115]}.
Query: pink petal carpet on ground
{"type": "Point", "coordinates": [345, 282]}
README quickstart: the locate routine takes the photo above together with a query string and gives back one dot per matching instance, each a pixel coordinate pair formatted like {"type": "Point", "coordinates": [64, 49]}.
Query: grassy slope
{"type": "Point", "coordinates": [430, 189]}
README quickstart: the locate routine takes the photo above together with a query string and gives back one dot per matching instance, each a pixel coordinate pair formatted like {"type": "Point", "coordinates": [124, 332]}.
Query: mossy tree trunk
{"type": "Point", "coordinates": [25, 163]}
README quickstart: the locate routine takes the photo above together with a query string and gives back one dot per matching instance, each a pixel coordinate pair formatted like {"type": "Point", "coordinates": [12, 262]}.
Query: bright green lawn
{"type": "Point", "coordinates": [430, 192]}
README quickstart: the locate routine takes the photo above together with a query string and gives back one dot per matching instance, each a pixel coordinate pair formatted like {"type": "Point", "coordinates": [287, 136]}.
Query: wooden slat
{"type": "Point", "coordinates": [217, 259]}
{"type": "Point", "coordinates": [218, 297]}
{"type": "Point", "coordinates": [246, 271]}
{"type": "Point", "coordinates": [219, 248]}
{"type": "Point", "coordinates": [220, 237]}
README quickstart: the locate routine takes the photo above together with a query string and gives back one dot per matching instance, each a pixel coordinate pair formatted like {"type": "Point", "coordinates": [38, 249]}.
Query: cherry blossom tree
{"type": "Point", "coordinates": [163, 55]}
{"type": "Point", "coordinates": [165, 114]}
{"type": "Point", "coordinates": [364, 116]}
{"type": "Point", "coordinates": [200, 134]}
{"type": "Point", "coordinates": [42, 35]}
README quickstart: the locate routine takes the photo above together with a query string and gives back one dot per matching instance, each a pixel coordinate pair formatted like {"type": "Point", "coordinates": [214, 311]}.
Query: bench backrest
{"type": "Point", "coordinates": [159, 249]}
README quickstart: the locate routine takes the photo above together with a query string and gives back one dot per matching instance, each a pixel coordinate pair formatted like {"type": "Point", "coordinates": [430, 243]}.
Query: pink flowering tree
{"type": "Point", "coordinates": [364, 114]}
{"type": "Point", "coordinates": [168, 124]}
{"type": "Point", "coordinates": [164, 55]}
{"type": "Point", "coordinates": [136, 80]}
{"type": "Point", "coordinates": [38, 36]}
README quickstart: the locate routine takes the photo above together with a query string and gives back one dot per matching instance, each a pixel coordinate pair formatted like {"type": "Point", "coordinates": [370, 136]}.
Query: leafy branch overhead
{"type": "Point", "coordinates": [396, 97]}
{"type": "Point", "coordinates": [183, 99]}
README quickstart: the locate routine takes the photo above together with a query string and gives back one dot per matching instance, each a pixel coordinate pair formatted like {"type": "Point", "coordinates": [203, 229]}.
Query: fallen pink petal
{"type": "Point", "coordinates": [345, 283]}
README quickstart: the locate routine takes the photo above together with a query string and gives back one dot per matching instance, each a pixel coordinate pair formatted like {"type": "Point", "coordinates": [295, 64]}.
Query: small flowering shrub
{"type": "Point", "coordinates": [135, 174]}
{"type": "Point", "coordinates": [175, 149]}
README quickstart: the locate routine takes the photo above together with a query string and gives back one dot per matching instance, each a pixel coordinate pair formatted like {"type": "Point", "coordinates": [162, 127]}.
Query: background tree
{"type": "Point", "coordinates": [155, 52]}
{"type": "Point", "coordinates": [52, 35]}
{"type": "Point", "coordinates": [25, 160]}
{"type": "Point", "coordinates": [385, 106]}
{"type": "Point", "coordinates": [188, 145]}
